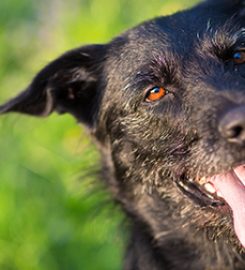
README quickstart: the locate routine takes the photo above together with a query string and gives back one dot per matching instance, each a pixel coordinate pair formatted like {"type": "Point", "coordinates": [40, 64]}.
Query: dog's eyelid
{"type": "Point", "coordinates": [238, 49]}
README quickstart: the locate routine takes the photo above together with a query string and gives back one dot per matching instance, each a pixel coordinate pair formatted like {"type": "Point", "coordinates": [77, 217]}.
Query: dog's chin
{"type": "Point", "coordinates": [224, 192]}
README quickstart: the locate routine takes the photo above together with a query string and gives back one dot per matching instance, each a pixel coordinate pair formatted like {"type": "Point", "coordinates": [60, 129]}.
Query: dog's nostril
{"type": "Point", "coordinates": [234, 132]}
{"type": "Point", "coordinates": [232, 126]}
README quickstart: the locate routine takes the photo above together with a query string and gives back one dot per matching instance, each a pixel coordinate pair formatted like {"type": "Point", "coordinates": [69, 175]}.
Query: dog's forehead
{"type": "Point", "coordinates": [183, 28]}
{"type": "Point", "coordinates": [173, 36]}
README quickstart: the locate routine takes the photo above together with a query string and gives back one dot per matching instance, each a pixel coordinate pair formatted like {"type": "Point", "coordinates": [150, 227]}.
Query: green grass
{"type": "Point", "coordinates": [51, 217]}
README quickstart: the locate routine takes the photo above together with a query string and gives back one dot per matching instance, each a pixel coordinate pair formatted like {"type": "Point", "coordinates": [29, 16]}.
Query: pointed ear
{"type": "Point", "coordinates": [68, 84]}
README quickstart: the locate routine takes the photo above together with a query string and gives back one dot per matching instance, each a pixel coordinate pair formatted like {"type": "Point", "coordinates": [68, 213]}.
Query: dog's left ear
{"type": "Point", "coordinates": [68, 84]}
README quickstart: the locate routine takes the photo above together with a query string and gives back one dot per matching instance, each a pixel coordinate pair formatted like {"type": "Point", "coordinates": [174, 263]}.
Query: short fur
{"type": "Point", "coordinates": [147, 147]}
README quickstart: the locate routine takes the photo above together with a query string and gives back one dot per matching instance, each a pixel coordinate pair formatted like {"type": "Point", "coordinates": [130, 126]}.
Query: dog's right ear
{"type": "Point", "coordinates": [68, 84]}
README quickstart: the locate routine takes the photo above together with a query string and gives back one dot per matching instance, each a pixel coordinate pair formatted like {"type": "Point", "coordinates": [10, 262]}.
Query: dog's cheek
{"type": "Point", "coordinates": [148, 127]}
{"type": "Point", "coordinates": [241, 70]}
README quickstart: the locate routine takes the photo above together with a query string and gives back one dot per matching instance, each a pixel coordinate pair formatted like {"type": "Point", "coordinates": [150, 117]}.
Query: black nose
{"type": "Point", "coordinates": [232, 125]}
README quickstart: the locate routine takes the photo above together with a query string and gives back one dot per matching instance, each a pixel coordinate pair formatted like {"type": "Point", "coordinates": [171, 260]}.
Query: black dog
{"type": "Point", "coordinates": [166, 103]}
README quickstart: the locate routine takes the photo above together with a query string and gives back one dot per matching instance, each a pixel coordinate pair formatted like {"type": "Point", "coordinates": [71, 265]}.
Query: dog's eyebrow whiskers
{"type": "Point", "coordinates": [209, 28]}
{"type": "Point", "coordinates": [217, 42]}
{"type": "Point", "coordinates": [162, 234]}
{"type": "Point", "coordinates": [198, 36]}
{"type": "Point", "coordinates": [159, 71]}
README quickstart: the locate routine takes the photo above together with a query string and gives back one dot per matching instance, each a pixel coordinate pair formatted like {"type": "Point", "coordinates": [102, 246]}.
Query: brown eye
{"type": "Point", "coordinates": [155, 94]}
{"type": "Point", "coordinates": [239, 57]}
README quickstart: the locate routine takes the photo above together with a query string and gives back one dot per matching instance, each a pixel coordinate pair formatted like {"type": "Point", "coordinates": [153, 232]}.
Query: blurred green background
{"type": "Point", "coordinates": [52, 216]}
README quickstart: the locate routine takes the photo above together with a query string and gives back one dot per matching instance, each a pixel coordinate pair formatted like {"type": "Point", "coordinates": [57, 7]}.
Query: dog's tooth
{"type": "Point", "coordinates": [219, 194]}
{"type": "Point", "coordinates": [203, 180]}
{"type": "Point", "coordinates": [210, 188]}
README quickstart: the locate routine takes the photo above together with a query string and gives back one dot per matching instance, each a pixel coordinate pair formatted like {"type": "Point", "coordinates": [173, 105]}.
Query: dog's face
{"type": "Point", "coordinates": [166, 103]}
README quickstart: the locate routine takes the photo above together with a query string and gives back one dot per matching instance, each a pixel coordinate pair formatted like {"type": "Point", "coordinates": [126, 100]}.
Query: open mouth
{"type": "Point", "coordinates": [226, 189]}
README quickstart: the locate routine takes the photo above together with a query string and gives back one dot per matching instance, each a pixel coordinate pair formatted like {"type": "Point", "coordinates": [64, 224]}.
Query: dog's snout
{"type": "Point", "coordinates": [232, 125]}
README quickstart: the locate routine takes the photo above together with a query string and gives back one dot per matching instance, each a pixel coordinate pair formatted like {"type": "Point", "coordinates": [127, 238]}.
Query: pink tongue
{"type": "Point", "coordinates": [233, 191]}
{"type": "Point", "coordinates": [240, 172]}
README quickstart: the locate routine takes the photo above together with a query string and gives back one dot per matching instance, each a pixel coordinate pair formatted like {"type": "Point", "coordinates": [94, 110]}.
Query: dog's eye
{"type": "Point", "coordinates": [155, 94]}
{"type": "Point", "coordinates": [239, 57]}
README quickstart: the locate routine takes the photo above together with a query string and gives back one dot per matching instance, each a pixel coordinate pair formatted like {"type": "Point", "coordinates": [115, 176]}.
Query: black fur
{"type": "Point", "coordinates": [148, 147]}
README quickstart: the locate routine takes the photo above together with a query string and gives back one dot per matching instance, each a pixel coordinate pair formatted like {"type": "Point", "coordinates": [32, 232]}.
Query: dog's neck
{"type": "Point", "coordinates": [144, 253]}
{"type": "Point", "coordinates": [160, 240]}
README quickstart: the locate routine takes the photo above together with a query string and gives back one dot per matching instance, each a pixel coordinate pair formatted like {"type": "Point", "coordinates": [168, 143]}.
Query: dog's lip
{"type": "Point", "coordinates": [225, 190]}
{"type": "Point", "coordinates": [200, 193]}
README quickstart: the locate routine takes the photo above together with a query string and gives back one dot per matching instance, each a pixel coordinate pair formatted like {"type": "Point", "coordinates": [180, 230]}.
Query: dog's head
{"type": "Point", "coordinates": [166, 103]}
